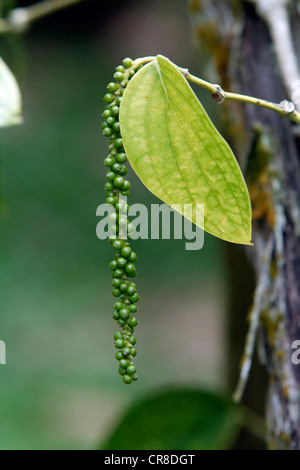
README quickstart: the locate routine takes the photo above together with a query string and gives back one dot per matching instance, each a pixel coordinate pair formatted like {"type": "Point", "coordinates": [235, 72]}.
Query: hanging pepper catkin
{"type": "Point", "coordinates": [117, 191]}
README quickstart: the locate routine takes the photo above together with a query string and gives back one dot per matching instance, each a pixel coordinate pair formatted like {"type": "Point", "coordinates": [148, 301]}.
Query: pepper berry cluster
{"type": "Point", "coordinates": [117, 190]}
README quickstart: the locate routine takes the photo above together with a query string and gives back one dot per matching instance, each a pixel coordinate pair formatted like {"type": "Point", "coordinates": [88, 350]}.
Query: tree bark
{"type": "Point", "coordinates": [250, 58]}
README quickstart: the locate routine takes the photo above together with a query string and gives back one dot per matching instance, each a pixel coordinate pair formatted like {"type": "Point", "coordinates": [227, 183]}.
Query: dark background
{"type": "Point", "coordinates": [60, 387]}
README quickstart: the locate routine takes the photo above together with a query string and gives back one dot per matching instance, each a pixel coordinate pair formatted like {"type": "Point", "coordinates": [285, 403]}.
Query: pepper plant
{"type": "Point", "coordinates": [154, 120]}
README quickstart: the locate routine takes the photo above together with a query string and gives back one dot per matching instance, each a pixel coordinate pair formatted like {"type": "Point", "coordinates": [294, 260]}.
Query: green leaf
{"type": "Point", "coordinates": [184, 419]}
{"type": "Point", "coordinates": [179, 155]}
{"type": "Point", "coordinates": [10, 98]}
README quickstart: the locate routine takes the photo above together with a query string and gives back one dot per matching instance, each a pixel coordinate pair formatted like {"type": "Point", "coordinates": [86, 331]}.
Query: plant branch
{"type": "Point", "coordinates": [276, 16]}
{"type": "Point", "coordinates": [19, 19]}
{"type": "Point", "coordinates": [254, 321]}
{"type": "Point", "coordinates": [284, 109]}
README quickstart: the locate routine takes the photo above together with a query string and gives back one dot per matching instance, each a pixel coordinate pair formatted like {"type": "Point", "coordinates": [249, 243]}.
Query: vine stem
{"type": "Point", "coordinates": [284, 109]}
{"type": "Point", "coordinates": [19, 19]}
{"type": "Point", "coordinates": [254, 316]}
{"type": "Point", "coordinates": [276, 14]}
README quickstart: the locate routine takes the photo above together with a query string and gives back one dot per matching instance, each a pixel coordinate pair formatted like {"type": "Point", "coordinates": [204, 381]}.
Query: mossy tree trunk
{"type": "Point", "coordinates": [256, 49]}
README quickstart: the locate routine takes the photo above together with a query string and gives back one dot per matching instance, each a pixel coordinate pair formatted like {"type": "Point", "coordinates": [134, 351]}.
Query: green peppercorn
{"type": "Point", "coordinates": [121, 157]}
{"type": "Point", "coordinates": [131, 290]}
{"type": "Point", "coordinates": [127, 62]}
{"type": "Point", "coordinates": [132, 309]}
{"type": "Point", "coordinates": [116, 167]}
{"type": "Point", "coordinates": [111, 121]}
{"type": "Point", "coordinates": [132, 321]}
{"type": "Point", "coordinates": [133, 352]}
{"type": "Point", "coordinates": [118, 244]}
{"type": "Point", "coordinates": [124, 313]}
{"type": "Point", "coordinates": [126, 185]}
{"type": "Point", "coordinates": [107, 131]}
{"type": "Point", "coordinates": [118, 143]}
{"type": "Point", "coordinates": [119, 344]}
{"type": "Point", "coordinates": [109, 161]}
{"type": "Point", "coordinates": [116, 315]}
{"type": "Point", "coordinates": [116, 282]}
{"type": "Point", "coordinates": [127, 379]}
{"type": "Point", "coordinates": [119, 272]}
{"type": "Point", "coordinates": [113, 265]}
{"type": "Point", "coordinates": [109, 186]}
{"type": "Point", "coordinates": [121, 262]}
{"type": "Point", "coordinates": [116, 126]}
{"type": "Point", "coordinates": [118, 76]}
{"type": "Point", "coordinates": [106, 113]}
{"type": "Point", "coordinates": [118, 181]}
{"type": "Point", "coordinates": [124, 363]}
{"type": "Point", "coordinates": [123, 217]}
{"type": "Point", "coordinates": [116, 292]}
{"type": "Point", "coordinates": [119, 355]}
{"type": "Point", "coordinates": [123, 287]}
{"type": "Point", "coordinates": [122, 372]}
{"type": "Point", "coordinates": [134, 298]}
{"type": "Point", "coordinates": [110, 175]}
{"type": "Point", "coordinates": [126, 352]}
{"type": "Point", "coordinates": [108, 97]}
{"type": "Point", "coordinates": [112, 87]}
{"type": "Point", "coordinates": [130, 268]}
{"type": "Point", "coordinates": [121, 322]}
{"type": "Point", "coordinates": [133, 257]}
{"type": "Point", "coordinates": [113, 229]}
{"type": "Point", "coordinates": [118, 335]}
{"type": "Point", "coordinates": [118, 306]}
{"type": "Point", "coordinates": [110, 200]}
{"type": "Point", "coordinates": [131, 274]}
{"type": "Point", "coordinates": [123, 170]}
{"type": "Point", "coordinates": [121, 206]}
{"type": "Point", "coordinates": [126, 250]}
{"type": "Point", "coordinates": [120, 68]}
{"type": "Point", "coordinates": [132, 340]}
{"type": "Point", "coordinates": [131, 369]}
{"type": "Point", "coordinates": [113, 217]}
{"type": "Point", "coordinates": [115, 110]}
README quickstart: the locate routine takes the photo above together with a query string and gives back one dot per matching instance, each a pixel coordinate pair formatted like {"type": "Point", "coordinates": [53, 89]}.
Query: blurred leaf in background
{"type": "Point", "coordinates": [10, 105]}
{"type": "Point", "coordinates": [182, 419]}
{"type": "Point", "coordinates": [10, 97]}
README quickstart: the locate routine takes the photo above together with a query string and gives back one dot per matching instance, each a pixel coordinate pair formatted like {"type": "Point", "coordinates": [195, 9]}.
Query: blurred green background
{"type": "Point", "coordinates": [60, 388]}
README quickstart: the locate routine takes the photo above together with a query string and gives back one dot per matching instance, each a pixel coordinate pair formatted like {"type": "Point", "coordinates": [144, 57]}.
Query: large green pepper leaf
{"type": "Point", "coordinates": [179, 155]}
